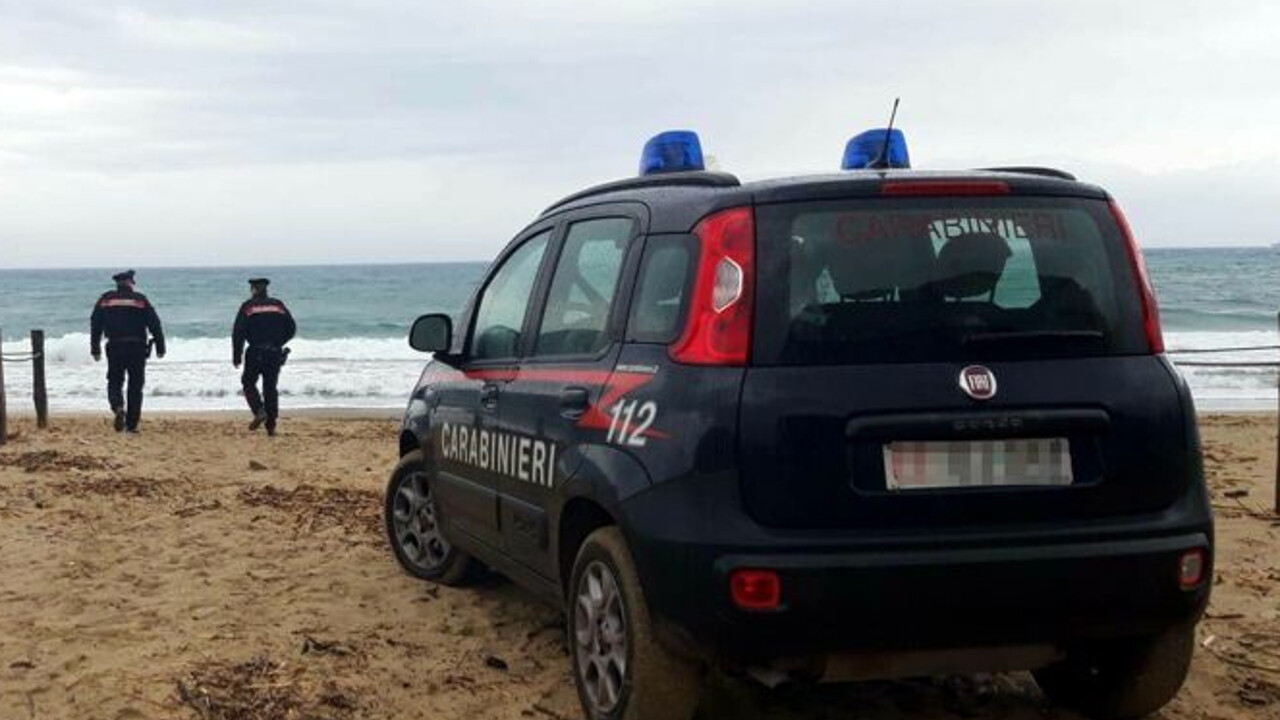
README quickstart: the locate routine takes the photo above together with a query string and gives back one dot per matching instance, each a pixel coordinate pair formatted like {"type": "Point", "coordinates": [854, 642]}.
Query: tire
{"type": "Point", "coordinates": [1121, 680]}
{"type": "Point", "coordinates": [410, 516]}
{"type": "Point", "coordinates": [641, 680]}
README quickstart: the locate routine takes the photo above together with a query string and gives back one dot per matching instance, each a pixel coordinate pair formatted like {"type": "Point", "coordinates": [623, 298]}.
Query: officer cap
{"type": "Point", "coordinates": [126, 276]}
{"type": "Point", "coordinates": [256, 282]}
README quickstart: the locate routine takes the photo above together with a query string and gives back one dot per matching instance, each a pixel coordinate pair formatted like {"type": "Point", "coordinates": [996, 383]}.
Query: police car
{"type": "Point", "coordinates": [875, 423]}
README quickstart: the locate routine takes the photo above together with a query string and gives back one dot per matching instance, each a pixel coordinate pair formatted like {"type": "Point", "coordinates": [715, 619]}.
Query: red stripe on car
{"type": "Point", "coordinates": [616, 386]}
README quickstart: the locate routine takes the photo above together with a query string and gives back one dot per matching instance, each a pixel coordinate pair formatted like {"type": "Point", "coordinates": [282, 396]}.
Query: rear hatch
{"type": "Point", "coordinates": [927, 360]}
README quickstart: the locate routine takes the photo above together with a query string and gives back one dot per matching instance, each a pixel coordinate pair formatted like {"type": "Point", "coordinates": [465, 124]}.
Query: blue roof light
{"type": "Point", "coordinates": [864, 149]}
{"type": "Point", "coordinates": [672, 151]}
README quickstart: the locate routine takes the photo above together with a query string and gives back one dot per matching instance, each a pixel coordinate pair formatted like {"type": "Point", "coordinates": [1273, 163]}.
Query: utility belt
{"type": "Point", "coordinates": [128, 340]}
{"type": "Point", "coordinates": [264, 349]}
{"type": "Point", "coordinates": [122, 343]}
{"type": "Point", "coordinates": [148, 345]}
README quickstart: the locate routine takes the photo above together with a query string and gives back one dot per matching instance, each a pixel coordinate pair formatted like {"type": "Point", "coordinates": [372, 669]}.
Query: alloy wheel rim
{"type": "Point", "coordinates": [600, 634]}
{"type": "Point", "coordinates": [415, 522]}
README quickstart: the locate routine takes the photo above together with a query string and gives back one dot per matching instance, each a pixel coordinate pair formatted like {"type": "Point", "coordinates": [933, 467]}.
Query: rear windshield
{"type": "Point", "coordinates": [936, 279]}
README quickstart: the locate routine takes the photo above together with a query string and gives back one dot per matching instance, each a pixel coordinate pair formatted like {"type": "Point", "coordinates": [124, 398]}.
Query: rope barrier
{"type": "Point", "coordinates": [1247, 348]}
{"type": "Point", "coordinates": [20, 357]}
{"type": "Point", "coordinates": [1229, 364]}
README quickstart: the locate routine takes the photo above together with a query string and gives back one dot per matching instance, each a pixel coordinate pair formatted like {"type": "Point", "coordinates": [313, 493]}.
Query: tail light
{"type": "Point", "coordinates": [930, 188]}
{"type": "Point", "coordinates": [1150, 312]}
{"type": "Point", "coordinates": [1191, 567]}
{"type": "Point", "coordinates": [755, 589]}
{"type": "Point", "coordinates": [717, 330]}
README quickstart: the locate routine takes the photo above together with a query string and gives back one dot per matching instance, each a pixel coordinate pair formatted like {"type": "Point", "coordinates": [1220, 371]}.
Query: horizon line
{"type": "Point", "coordinates": [268, 266]}
{"type": "Point", "coordinates": [388, 263]}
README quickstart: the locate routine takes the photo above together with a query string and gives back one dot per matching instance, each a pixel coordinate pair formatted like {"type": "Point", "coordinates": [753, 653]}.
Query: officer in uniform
{"type": "Point", "coordinates": [126, 317]}
{"type": "Point", "coordinates": [266, 325]}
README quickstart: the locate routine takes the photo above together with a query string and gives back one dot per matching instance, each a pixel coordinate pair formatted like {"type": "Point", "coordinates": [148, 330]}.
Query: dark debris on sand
{"type": "Point", "coordinates": [54, 461]}
{"type": "Point", "coordinates": [357, 512]}
{"type": "Point", "coordinates": [260, 689]}
{"type": "Point", "coordinates": [118, 486]}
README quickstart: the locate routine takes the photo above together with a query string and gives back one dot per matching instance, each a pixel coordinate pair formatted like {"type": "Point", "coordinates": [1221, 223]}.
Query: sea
{"type": "Point", "coordinates": [351, 350]}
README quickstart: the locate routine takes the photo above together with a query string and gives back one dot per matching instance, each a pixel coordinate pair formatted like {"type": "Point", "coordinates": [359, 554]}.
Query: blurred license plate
{"type": "Point", "coordinates": [978, 463]}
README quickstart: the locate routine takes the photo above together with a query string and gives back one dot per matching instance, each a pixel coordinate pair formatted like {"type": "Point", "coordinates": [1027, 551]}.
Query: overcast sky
{"type": "Point", "coordinates": [264, 131]}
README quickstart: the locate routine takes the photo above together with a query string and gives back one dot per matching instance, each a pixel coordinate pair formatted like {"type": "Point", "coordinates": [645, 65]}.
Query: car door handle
{"type": "Point", "coordinates": [574, 401]}
{"type": "Point", "coordinates": [489, 396]}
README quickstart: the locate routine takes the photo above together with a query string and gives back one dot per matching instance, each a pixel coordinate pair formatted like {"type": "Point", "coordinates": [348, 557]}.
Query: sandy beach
{"type": "Point", "coordinates": [199, 571]}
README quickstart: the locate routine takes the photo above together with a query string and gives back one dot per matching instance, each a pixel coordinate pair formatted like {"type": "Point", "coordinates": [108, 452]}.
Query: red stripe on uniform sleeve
{"type": "Point", "coordinates": [122, 302]}
{"type": "Point", "coordinates": [258, 309]}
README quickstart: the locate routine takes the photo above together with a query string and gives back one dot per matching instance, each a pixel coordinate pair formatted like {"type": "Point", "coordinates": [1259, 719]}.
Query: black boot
{"type": "Point", "coordinates": [118, 424]}
{"type": "Point", "coordinates": [259, 418]}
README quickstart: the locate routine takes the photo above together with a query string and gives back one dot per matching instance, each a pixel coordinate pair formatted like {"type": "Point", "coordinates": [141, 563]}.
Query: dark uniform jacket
{"type": "Point", "coordinates": [124, 316]}
{"type": "Point", "coordinates": [264, 323]}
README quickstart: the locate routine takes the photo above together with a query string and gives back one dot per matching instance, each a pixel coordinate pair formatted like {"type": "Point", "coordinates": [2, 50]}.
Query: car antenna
{"type": "Point", "coordinates": [882, 160]}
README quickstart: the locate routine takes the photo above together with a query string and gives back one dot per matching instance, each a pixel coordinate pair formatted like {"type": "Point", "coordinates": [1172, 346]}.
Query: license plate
{"type": "Point", "coordinates": [979, 463]}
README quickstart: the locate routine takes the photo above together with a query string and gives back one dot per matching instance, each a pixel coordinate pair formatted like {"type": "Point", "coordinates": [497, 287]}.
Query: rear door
{"type": "Point", "coordinates": [548, 407]}
{"type": "Point", "coordinates": [465, 420]}
{"type": "Point", "coordinates": [924, 362]}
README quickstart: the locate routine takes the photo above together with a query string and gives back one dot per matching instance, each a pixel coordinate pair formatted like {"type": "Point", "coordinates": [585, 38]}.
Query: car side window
{"type": "Point", "coordinates": [500, 316]}
{"type": "Point", "coordinates": [576, 318]}
{"type": "Point", "coordinates": [659, 300]}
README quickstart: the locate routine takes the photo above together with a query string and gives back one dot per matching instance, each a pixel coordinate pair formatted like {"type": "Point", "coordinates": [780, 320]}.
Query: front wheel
{"type": "Point", "coordinates": [414, 530]}
{"type": "Point", "coordinates": [1121, 680]}
{"type": "Point", "coordinates": [619, 668]}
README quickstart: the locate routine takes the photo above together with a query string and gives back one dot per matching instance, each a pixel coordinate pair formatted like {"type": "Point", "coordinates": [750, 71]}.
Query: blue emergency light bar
{"type": "Point", "coordinates": [672, 151]}
{"type": "Point", "coordinates": [864, 149]}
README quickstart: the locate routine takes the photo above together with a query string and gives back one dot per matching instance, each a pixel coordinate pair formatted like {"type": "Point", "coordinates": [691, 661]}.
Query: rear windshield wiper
{"type": "Point", "coordinates": [1032, 336]}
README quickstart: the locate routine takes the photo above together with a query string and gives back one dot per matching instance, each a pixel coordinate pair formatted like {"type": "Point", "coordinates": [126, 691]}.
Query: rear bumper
{"type": "Point", "coordinates": [916, 600]}
{"type": "Point", "coordinates": [932, 593]}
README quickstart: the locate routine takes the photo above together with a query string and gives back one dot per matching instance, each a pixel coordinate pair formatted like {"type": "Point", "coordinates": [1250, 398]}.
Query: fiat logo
{"type": "Point", "coordinates": [978, 382]}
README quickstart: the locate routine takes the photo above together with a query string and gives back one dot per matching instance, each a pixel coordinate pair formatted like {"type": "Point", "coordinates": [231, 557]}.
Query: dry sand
{"type": "Point", "coordinates": [198, 571]}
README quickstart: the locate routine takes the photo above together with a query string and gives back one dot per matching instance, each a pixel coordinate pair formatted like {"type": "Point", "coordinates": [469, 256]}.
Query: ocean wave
{"type": "Point", "coordinates": [347, 373]}
{"type": "Point", "coordinates": [1205, 319]}
{"type": "Point", "coordinates": [310, 392]}
{"type": "Point", "coordinates": [73, 349]}
{"type": "Point", "coordinates": [380, 372]}
{"type": "Point", "coordinates": [1198, 340]}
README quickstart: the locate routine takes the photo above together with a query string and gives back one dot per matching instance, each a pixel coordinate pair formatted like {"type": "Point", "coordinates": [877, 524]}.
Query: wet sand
{"type": "Point", "coordinates": [198, 571]}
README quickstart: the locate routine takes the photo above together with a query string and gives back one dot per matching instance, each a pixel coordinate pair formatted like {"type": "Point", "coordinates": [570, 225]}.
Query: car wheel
{"type": "Point", "coordinates": [1123, 679]}
{"type": "Point", "coordinates": [620, 669]}
{"type": "Point", "coordinates": [414, 530]}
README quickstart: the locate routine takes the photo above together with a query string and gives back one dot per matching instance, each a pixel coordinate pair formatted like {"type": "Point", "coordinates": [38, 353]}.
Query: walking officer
{"type": "Point", "coordinates": [126, 317]}
{"type": "Point", "coordinates": [266, 325]}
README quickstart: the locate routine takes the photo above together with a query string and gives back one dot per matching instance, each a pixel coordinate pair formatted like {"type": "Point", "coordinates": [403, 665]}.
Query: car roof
{"type": "Point", "coordinates": [676, 201]}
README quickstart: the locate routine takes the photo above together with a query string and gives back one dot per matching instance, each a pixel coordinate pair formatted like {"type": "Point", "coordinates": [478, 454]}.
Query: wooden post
{"type": "Point", "coordinates": [38, 392]}
{"type": "Point", "coordinates": [4, 430]}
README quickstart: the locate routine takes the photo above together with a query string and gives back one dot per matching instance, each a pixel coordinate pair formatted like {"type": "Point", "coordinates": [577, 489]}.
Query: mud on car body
{"type": "Point", "coordinates": [868, 424]}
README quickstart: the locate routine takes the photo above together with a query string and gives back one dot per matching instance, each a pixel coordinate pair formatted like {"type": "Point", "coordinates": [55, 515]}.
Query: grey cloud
{"type": "Point", "coordinates": [345, 102]}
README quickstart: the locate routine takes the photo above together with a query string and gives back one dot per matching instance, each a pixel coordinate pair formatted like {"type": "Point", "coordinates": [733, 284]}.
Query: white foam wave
{"type": "Point", "coordinates": [1229, 387]}
{"type": "Point", "coordinates": [196, 374]}
{"type": "Point", "coordinates": [73, 349]}
{"type": "Point", "coordinates": [379, 373]}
